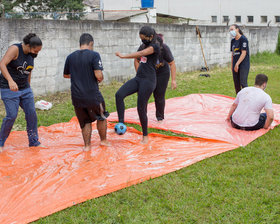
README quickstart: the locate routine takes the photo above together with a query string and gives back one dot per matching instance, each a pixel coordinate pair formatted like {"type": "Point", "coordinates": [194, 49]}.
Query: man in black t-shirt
{"type": "Point", "coordinates": [84, 68]}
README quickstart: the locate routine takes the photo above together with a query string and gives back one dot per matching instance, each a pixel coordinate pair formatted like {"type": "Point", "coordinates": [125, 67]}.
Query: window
{"type": "Point", "coordinates": [225, 19]}
{"type": "Point", "coordinates": [277, 19]}
{"type": "Point", "coordinates": [263, 19]}
{"type": "Point", "coordinates": [250, 19]}
{"type": "Point", "coordinates": [238, 19]}
{"type": "Point", "coordinates": [214, 19]}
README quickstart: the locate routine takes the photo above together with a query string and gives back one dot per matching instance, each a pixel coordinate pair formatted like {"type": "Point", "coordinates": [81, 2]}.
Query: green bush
{"type": "Point", "coordinates": [278, 45]}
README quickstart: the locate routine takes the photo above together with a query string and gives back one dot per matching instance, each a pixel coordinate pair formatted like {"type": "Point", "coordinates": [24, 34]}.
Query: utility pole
{"type": "Point", "coordinates": [101, 8]}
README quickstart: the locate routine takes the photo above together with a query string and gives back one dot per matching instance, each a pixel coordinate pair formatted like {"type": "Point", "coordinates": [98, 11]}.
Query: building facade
{"type": "Point", "coordinates": [211, 12]}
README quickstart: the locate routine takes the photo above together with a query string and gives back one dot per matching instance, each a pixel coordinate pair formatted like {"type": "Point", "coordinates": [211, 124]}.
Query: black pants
{"type": "Point", "coordinates": [144, 88]}
{"type": "Point", "coordinates": [159, 94]}
{"type": "Point", "coordinates": [240, 78]}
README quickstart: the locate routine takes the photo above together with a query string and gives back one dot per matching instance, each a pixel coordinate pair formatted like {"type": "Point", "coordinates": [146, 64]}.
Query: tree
{"type": "Point", "coordinates": [38, 8]}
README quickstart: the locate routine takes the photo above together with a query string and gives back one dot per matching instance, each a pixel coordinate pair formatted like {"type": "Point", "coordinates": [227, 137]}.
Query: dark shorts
{"type": "Point", "coordinates": [258, 126]}
{"type": "Point", "coordinates": [91, 114]}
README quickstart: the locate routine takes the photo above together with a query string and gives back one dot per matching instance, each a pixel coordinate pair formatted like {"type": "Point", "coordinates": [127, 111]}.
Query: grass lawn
{"type": "Point", "coordinates": [240, 186]}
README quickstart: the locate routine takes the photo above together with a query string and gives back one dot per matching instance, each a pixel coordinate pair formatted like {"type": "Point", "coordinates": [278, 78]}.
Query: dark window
{"type": "Point", "coordinates": [238, 19]}
{"type": "Point", "coordinates": [250, 19]}
{"type": "Point", "coordinates": [263, 19]}
{"type": "Point", "coordinates": [214, 19]}
{"type": "Point", "coordinates": [225, 19]}
{"type": "Point", "coordinates": [277, 19]}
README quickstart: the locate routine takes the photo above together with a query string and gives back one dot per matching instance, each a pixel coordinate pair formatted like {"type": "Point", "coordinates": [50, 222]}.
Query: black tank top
{"type": "Point", "coordinates": [19, 70]}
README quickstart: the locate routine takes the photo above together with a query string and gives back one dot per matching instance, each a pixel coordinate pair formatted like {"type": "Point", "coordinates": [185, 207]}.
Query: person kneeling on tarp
{"type": "Point", "coordinates": [84, 68]}
{"type": "Point", "coordinates": [245, 112]}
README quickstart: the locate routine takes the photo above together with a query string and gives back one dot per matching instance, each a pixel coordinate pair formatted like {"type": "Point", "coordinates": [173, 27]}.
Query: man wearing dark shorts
{"type": "Point", "coordinates": [246, 110]}
{"type": "Point", "coordinates": [84, 68]}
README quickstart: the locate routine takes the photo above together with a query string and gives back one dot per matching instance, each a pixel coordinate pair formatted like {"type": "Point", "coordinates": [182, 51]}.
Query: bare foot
{"type": "Point", "coordinates": [87, 148]}
{"type": "Point", "coordinates": [1, 149]}
{"type": "Point", "coordinates": [105, 143]}
{"type": "Point", "coordinates": [145, 140]}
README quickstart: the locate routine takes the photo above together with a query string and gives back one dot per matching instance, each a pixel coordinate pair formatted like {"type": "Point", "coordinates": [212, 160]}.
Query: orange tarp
{"type": "Point", "coordinates": [36, 182]}
{"type": "Point", "coordinates": [201, 115]}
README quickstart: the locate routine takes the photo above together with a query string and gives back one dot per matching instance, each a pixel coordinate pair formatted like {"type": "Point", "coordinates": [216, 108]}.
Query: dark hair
{"type": "Point", "coordinates": [148, 32]}
{"type": "Point", "coordinates": [33, 40]}
{"type": "Point", "coordinates": [160, 35]}
{"type": "Point", "coordinates": [238, 27]}
{"type": "Point", "coordinates": [85, 39]}
{"type": "Point", "coordinates": [260, 79]}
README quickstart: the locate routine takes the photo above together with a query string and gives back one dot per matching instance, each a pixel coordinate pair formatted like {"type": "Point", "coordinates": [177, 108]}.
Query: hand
{"type": "Point", "coordinates": [173, 84]}
{"type": "Point", "coordinates": [13, 86]}
{"type": "Point", "coordinates": [228, 119]}
{"type": "Point", "coordinates": [236, 67]}
{"type": "Point", "coordinates": [119, 54]}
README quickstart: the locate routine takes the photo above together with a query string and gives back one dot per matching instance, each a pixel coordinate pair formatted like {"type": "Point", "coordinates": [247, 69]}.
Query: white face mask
{"type": "Point", "coordinates": [232, 33]}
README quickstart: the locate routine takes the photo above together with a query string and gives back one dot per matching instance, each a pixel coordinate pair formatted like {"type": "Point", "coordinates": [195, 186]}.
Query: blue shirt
{"type": "Point", "coordinates": [236, 47]}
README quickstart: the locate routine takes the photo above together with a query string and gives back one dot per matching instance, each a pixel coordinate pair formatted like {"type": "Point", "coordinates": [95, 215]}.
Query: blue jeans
{"type": "Point", "coordinates": [258, 126]}
{"type": "Point", "coordinates": [12, 100]}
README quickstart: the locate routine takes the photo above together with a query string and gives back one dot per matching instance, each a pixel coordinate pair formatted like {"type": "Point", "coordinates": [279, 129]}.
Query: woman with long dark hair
{"type": "Point", "coordinates": [240, 59]}
{"type": "Point", "coordinates": [164, 65]}
{"type": "Point", "coordinates": [16, 67]}
{"type": "Point", "coordinates": [145, 81]}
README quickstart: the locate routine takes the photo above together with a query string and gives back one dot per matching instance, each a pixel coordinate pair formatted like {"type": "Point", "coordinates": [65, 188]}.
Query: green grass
{"type": "Point", "coordinates": [240, 186]}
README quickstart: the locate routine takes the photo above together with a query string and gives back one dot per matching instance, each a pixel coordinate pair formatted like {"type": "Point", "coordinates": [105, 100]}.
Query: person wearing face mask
{"type": "Point", "coordinates": [16, 67]}
{"type": "Point", "coordinates": [145, 81]}
{"type": "Point", "coordinates": [245, 112]}
{"type": "Point", "coordinates": [164, 65]}
{"type": "Point", "coordinates": [240, 59]}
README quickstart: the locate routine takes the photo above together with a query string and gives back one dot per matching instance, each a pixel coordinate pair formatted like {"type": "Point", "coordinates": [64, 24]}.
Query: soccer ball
{"type": "Point", "coordinates": [120, 128]}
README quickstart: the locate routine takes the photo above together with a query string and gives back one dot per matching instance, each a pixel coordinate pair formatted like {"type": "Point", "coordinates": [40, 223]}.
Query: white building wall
{"type": "Point", "coordinates": [202, 10]}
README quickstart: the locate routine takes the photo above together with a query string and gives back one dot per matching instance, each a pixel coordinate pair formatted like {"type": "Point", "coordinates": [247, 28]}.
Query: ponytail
{"type": "Point", "coordinates": [238, 27]}
{"type": "Point", "coordinates": [33, 40]}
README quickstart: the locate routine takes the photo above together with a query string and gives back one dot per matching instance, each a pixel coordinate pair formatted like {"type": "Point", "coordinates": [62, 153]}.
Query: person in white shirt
{"type": "Point", "coordinates": [245, 112]}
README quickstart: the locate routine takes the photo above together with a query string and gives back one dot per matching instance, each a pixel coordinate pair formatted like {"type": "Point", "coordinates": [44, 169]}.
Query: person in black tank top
{"type": "Point", "coordinates": [164, 65]}
{"type": "Point", "coordinates": [145, 81]}
{"type": "Point", "coordinates": [16, 67]}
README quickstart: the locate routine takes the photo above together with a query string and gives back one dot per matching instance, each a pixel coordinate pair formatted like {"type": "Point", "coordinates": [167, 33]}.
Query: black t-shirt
{"type": "Point", "coordinates": [167, 57]}
{"type": "Point", "coordinates": [147, 66]}
{"type": "Point", "coordinates": [19, 70]}
{"type": "Point", "coordinates": [84, 85]}
{"type": "Point", "coordinates": [236, 47]}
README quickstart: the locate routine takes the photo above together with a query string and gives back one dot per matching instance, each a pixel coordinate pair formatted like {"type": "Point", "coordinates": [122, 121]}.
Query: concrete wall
{"type": "Point", "coordinates": [60, 38]}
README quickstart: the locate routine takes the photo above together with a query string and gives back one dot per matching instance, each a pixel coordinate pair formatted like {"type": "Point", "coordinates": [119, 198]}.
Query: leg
{"type": "Point", "coordinates": [260, 124]}
{"type": "Point", "coordinates": [127, 89]}
{"type": "Point", "coordinates": [11, 102]}
{"type": "Point", "coordinates": [244, 76]}
{"type": "Point", "coordinates": [102, 125]}
{"type": "Point", "coordinates": [159, 94]}
{"type": "Point", "coordinates": [85, 124]}
{"type": "Point", "coordinates": [146, 89]}
{"type": "Point", "coordinates": [236, 80]}
{"type": "Point", "coordinates": [28, 106]}
{"type": "Point", "coordinates": [86, 132]}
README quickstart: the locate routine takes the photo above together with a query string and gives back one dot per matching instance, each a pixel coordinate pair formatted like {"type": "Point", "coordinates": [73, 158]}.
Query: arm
{"type": "Point", "coordinates": [138, 54]}
{"type": "Point", "coordinates": [269, 119]}
{"type": "Point", "coordinates": [232, 109]}
{"type": "Point", "coordinates": [99, 75]}
{"type": "Point", "coordinates": [231, 62]}
{"type": "Point", "coordinates": [29, 78]}
{"type": "Point", "coordinates": [136, 64]}
{"type": "Point", "coordinates": [173, 74]}
{"type": "Point", "coordinates": [11, 54]}
{"type": "Point", "coordinates": [241, 58]}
